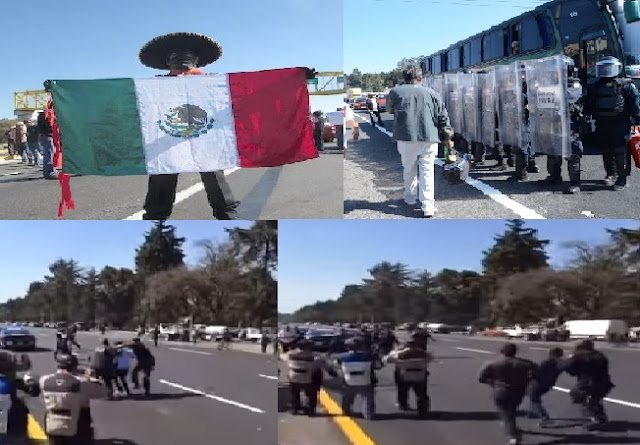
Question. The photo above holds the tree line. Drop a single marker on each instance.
(233, 284)
(516, 285)
(380, 81)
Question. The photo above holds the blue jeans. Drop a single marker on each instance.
(46, 143)
(349, 394)
(34, 151)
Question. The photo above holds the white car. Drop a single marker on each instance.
(253, 334)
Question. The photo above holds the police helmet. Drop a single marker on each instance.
(571, 66)
(608, 67)
(67, 361)
(466, 71)
(47, 84)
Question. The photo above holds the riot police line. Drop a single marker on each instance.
(510, 377)
(540, 106)
(67, 392)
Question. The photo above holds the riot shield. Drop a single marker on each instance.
(453, 100)
(510, 104)
(488, 101)
(548, 106)
(470, 109)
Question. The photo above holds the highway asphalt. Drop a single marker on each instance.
(462, 410)
(373, 187)
(200, 396)
(306, 190)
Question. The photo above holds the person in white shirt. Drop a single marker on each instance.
(351, 121)
(372, 106)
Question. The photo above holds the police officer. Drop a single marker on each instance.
(591, 369)
(521, 157)
(508, 377)
(613, 103)
(411, 373)
(554, 162)
(358, 378)
(62, 343)
(145, 362)
(67, 395)
(305, 375)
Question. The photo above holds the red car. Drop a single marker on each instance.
(360, 103)
(382, 102)
(329, 133)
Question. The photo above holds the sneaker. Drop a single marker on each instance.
(574, 189)
(620, 184)
(609, 180)
(514, 441)
(410, 202)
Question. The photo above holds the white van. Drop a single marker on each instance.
(598, 329)
(253, 334)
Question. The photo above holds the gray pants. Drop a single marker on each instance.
(367, 393)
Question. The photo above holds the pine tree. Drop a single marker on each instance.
(518, 249)
(161, 250)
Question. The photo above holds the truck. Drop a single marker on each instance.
(596, 329)
(354, 92)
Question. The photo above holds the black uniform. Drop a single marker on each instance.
(145, 362)
(613, 103)
(521, 157)
(509, 378)
(591, 368)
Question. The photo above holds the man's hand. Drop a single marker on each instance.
(356, 133)
(311, 73)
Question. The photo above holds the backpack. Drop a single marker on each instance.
(608, 101)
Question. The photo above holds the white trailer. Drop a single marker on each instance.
(598, 329)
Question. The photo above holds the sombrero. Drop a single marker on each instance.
(154, 54)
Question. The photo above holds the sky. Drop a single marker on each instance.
(318, 258)
(30, 247)
(80, 39)
(380, 33)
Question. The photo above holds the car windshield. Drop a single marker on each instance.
(16, 331)
(361, 99)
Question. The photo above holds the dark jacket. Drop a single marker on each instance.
(420, 114)
(591, 368)
(612, 133)
(546, 376)
(510, 374)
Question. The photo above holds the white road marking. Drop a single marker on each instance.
(446, 339)
(539, 349)
(606, 399)
(212, 397)
(191, 350)
(181, 196)
(475, 350)
(270, 377)
(517, 208)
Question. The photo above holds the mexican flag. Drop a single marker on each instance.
(198, 123)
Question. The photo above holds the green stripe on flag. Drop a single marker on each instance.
(99, 127)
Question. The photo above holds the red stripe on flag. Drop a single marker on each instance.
(271, 112)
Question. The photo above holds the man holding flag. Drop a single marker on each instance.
(163, 127)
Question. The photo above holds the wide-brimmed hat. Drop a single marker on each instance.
(154, 54)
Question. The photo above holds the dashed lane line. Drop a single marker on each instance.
(270, 377)
(492, 193)
(348, 426)
(212, 397)
(181, 196)
(481, 351)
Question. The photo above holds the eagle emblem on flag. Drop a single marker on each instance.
(186, 121)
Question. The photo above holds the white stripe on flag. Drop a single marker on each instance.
(161, 98)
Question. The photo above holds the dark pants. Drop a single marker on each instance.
(379, 116)
(155, 341)
(507, 404)
(162, 193)
(340, 136)
(617, 162)
(590, 402)
(121, 380)
(419, 389)
(146, 377)
(536, 406)
(310, 391)
(107, 378)
(554, 166)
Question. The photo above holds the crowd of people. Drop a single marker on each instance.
(434, 119)
(353, 362)
(32, 141)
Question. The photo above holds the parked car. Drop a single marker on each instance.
(17, 338)
(329, 133)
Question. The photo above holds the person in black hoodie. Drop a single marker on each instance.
(544, 379)
(145, 362)
(591, 369)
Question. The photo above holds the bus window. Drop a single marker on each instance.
(437, 66)
(466, 56)
(530, 39)
(443, 62)
(546, 33)
(514, 44)
(486, 47)
(577, 17)
(454, 59)
(476, 52)
(496, 47)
